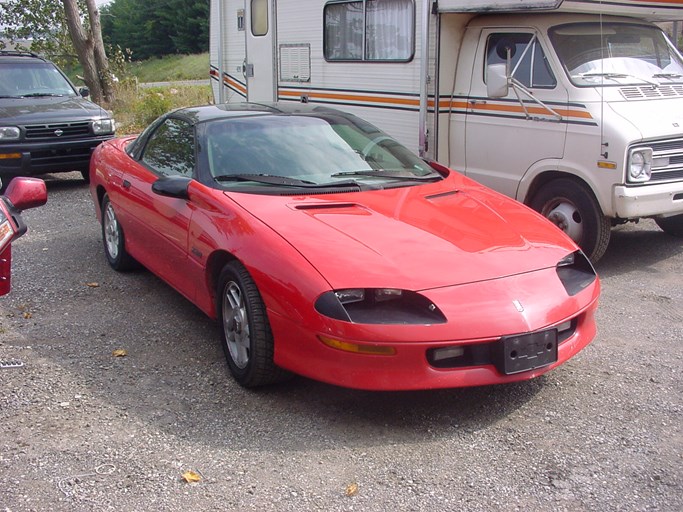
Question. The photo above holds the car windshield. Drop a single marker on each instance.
(32, 79)
(306, 151)
(616, 54)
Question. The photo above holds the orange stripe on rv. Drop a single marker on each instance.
(349, 97)
(499, 107)
(235, 85)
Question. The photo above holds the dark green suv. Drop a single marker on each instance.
(46, 124)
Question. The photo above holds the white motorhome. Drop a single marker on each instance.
(573, 107)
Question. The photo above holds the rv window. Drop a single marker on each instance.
(259, 17)
(369, 30)
(527, 59)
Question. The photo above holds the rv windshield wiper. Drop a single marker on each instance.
(615, 75)
(667, 75)
(271, 179)
(389, 173)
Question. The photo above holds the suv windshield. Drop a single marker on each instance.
(616, 54)
(33, 79)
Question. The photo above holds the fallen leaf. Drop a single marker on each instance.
(27, 315)
(191, 477)
(93, 285)
(119, 352)
(352, 489)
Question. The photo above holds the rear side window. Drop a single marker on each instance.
(369, 30)
(170, 149)
(529, 64)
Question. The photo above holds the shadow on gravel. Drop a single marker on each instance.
(637, 248)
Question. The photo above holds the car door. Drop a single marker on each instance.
(505, 137)
(158, 226)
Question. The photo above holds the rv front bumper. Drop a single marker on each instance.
(648, 200)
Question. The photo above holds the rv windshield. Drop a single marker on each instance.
(616, 54)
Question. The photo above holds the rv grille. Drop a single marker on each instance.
(57, 130)
(646, 92)
(667, 160)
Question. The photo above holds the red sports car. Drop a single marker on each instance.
(326, 249)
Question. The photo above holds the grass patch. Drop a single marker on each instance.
(172, 67)
(136, 107)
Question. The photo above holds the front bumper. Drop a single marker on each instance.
(479, 316)
(648, 200)
(44, 157)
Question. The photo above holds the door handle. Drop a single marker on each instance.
(126, 184)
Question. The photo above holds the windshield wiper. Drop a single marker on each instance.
(286, 181)
(616, 75)
(667, 75)
(41, 95)
(388, 173)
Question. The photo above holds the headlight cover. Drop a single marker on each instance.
(379, 306)
(9, 133)
(640, 165)
(576, 272)
(103, 126)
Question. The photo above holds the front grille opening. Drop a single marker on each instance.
(483, 354)
(57, 130)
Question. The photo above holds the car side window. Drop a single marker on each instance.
(170, 149)
(528, 60)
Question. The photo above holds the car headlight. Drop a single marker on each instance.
(103, 126)
(9, 133)
(575, 272)
(379, 306)
(640, 165)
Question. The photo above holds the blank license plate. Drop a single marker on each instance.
(527, 351)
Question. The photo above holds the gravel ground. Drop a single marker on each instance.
(84, 430)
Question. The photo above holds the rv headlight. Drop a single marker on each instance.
(9, 133)
(103, 126)
(640, 165)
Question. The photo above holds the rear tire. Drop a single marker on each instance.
(113, 239)
(245, 331)
(572, 207)
(671, 225)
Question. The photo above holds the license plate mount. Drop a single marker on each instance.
(525, 352)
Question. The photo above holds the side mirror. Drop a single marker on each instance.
(84, 92)
(172, 186)
(25, 193)
(497, 84)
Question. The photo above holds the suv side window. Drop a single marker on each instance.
(170, 149)
(528, 60)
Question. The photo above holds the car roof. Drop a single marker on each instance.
(204, 113)
(18, 56)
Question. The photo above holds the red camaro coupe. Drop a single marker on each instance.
(325, 248)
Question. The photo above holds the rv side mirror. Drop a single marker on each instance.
(496, 81)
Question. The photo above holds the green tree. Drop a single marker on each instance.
(152, 28)
(60, 28)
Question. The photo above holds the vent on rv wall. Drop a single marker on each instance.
(295, 62)
(644, 92)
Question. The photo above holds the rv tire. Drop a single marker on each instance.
(671, 225)
(572, 207)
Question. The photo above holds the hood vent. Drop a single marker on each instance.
(325, 206)
(646, 92)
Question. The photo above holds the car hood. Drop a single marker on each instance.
(21, 111)
(415, 238)
(653, 119)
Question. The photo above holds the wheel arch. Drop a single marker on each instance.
(214, 266)
(528, 188)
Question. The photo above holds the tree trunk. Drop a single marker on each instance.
(90, 50)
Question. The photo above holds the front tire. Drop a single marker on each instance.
(572, 207)
(245, 331)
(671, 225)
(113, 240)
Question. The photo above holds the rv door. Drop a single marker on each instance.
(259, 65)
